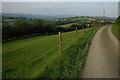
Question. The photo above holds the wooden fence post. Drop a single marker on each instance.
(76, 32)
(60, 42)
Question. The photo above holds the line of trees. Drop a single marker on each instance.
(21, 29)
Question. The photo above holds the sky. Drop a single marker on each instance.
(60, 0)
(62, 8)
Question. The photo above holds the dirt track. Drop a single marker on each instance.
(102, 59)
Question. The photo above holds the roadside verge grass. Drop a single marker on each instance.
(116, 28)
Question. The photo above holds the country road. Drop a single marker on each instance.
(102, 59)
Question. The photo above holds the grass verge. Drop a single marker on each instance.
(116, 28)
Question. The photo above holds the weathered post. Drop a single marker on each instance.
(76, 32)
(60, 42)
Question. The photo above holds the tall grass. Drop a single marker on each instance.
(116, 28)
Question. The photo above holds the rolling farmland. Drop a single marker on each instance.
(67, 25)
(39, 56)
(59, 40)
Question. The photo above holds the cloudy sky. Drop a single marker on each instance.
(62, 8)
(60, 0)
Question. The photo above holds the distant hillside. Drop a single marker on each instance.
(35, 16)
(106, 18)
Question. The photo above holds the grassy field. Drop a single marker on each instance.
(116, 28)
(39, 56)
(67, 25)
(46, 21)
(30, 21)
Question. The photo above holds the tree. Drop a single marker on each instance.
(20, 27)
(39, 27)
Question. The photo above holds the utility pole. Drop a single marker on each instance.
(103, 12)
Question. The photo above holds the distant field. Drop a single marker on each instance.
(53, 21)
(47, 21)
(67, 25)
(30, 21)
(82, 18)
(39, 56)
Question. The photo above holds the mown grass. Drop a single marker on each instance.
(38, 57)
